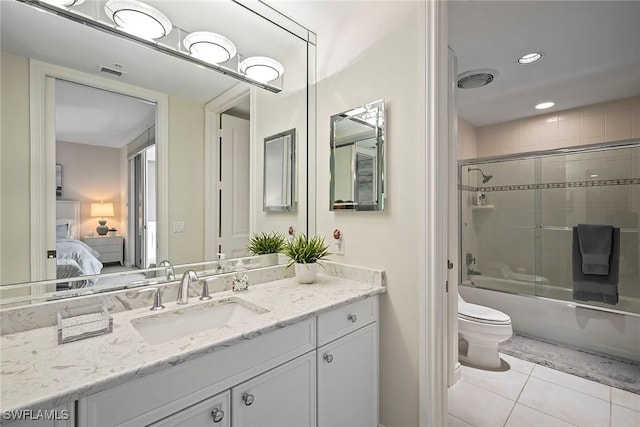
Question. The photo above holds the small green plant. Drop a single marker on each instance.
(305, 251)
(266, 243)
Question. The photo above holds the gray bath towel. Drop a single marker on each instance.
(595, 247)
(595, 287)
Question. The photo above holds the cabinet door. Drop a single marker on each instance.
(348, 380)
(282, 397)
(212, 412)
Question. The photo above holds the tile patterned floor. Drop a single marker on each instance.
(530, 395)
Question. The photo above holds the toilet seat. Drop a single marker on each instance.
(481, 314)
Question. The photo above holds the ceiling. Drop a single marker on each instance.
(87, 115)
(591, 54)
(59, 41)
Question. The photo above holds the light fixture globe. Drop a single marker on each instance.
(209, 47)
(261, 68)
(138, 18)
(64, 3)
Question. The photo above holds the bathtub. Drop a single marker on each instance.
(606, 331)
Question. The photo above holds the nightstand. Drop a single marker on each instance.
(110, 248)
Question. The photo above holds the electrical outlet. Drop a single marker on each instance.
(178, 226)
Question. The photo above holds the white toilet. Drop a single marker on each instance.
(481, 329)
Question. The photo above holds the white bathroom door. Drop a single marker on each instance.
(235, 183)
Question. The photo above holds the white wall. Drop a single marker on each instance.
(274, 113)
(467, 140)
(15, 219)
(186, 184)
(373, 54)
(91, 174)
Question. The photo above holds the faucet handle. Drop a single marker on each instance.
(157, 298)
(205, 291)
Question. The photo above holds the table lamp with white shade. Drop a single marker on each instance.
(102, 210)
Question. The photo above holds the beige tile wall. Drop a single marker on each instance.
(605, 122)
(467, 140)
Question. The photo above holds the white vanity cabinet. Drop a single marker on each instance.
(348, 366)
(320, 371)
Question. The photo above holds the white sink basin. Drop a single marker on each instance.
(163, 327)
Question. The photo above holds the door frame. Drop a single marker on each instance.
(433, 298)
(42, 170)
(212, 112)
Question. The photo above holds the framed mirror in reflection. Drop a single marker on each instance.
(164, 173)
(357, 158)
(280, 171)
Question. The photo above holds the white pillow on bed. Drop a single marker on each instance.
(65, 228)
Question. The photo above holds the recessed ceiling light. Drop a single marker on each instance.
(545, 105)
(530, 58)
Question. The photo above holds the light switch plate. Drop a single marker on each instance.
(178, 226)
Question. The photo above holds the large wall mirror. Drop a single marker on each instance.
(357, 158)
(165, 142)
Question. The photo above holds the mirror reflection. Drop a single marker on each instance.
(156, 157)
(279, 171)
(357, 158)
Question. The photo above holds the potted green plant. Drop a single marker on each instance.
(305, 254)
(267, 244)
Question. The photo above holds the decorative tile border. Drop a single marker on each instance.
(552, 185)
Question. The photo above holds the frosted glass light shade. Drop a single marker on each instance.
(209, 47)
(102, 209)
(138, 18)
(261, 68)
(64, 3)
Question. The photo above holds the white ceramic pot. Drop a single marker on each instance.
(306, 273)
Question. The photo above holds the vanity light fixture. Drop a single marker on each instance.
(530, 58)
(261, 68)
(209, 47)
(545, 105)
(64, 3)
(138, 18)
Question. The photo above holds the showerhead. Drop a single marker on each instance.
(485, 178)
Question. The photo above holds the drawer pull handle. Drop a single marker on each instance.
(353, 318)
(247, 399)
(328, 357)
(217, 415)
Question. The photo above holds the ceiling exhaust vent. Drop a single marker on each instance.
(114, 71)
(476, 78)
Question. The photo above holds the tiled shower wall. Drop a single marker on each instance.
(529, 229)
(605, 122)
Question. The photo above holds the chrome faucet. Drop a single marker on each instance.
(171, 275)
(188, 277)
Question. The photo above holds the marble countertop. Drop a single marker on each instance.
(36, 372)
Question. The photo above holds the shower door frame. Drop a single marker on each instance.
(629, 143)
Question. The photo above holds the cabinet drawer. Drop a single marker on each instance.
(342, 320)
(215, 411)
(110, 257)
(100, 242)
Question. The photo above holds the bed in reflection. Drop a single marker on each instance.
(74, 258)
